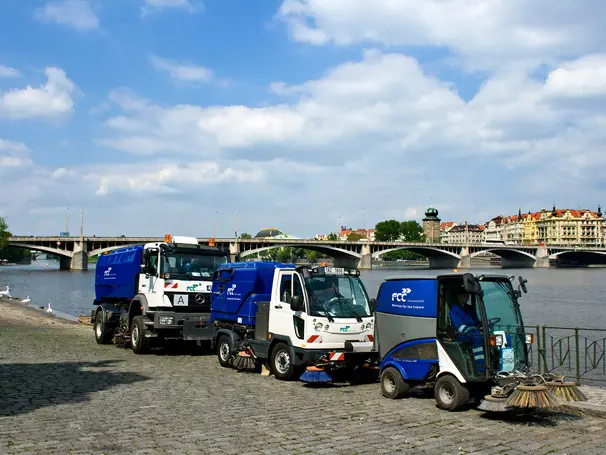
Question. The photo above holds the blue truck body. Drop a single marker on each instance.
(238, 287)
(117, 274)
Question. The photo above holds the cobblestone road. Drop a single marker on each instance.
(61, 393)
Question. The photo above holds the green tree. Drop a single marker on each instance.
(412, 231)
(354, 237)
(312, 256)
(245, 236)
(284, 255)
(4, 234)
(332, 237)
(388, 231)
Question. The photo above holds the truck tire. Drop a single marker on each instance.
(103, 334)
(138, 342)
(224, 349)
(450, 394)
(281, 362)
(393, 385)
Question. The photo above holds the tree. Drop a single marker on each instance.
(245, 236)
(354, 237)
(4, 234)
(332, 237)
(312, 256)
(388, 231)
(412, 231)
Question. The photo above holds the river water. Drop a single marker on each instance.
(557, 297)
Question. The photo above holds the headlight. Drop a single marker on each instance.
(529, 338)
(318, 326)
(166, 320)
(369, 326)
(326, 327)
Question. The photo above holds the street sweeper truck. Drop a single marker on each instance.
(463, 336)
(289, 317)
(156, 291)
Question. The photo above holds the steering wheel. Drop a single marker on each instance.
(493, 321)
(330, 303)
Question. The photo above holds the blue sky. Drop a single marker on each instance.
(156, 114)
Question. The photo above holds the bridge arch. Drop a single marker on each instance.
(328, 250)
(45, 249)
(438, 258)
(100, 251)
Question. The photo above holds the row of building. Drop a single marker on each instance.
(552, 227)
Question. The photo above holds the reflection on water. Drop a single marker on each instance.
(560, 297)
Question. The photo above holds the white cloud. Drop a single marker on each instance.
(13, 155)
(184, 72)
(78, 14)
(7, 71)
(52, 100)
(190, 6)
(487, 32)
(583, 77)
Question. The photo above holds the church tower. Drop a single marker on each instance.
(431, 225)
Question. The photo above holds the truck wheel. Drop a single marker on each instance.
(281, 362)
(138, 342)
(103, 334)
(224, 351)
(450, 394)
(392, 384)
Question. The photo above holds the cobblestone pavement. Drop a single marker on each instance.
(61, 393)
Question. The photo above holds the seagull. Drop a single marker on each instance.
(26, 300)
(5, 293)
(49, 310)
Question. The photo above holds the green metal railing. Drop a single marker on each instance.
(575, 352)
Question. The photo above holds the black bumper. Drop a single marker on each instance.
(194, 326)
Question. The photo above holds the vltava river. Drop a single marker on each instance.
(559, 297)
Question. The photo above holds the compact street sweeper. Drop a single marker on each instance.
(463, 336)
(286, 317)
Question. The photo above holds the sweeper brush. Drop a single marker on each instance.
(244, 361)
(315, 375)
(532, 396)
(493, 404)
(566, 391)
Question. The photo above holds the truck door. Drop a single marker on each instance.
(282, 320)
(150, 283)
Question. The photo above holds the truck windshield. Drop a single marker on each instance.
(339, 296)
(504, 318)
(191, 265)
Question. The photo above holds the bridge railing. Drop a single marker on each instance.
(576, 352)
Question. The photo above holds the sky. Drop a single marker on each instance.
(198, 117)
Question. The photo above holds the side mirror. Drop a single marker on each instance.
(373, 305)
(471, 284)
(523, 284)
(297, 303)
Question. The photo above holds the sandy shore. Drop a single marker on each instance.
(13, 312)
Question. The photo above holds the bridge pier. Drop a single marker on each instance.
(542, 256)
(234, 251)
(443, 262)
(465, 261)
(346, 262)
(78, 260)
(365, 262)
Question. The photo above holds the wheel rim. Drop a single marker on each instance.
(224, 351)
(389, 384)
(282, 362)
(98, 329)
(447, 393)
(135, 336)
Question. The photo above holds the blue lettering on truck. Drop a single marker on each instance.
(408, 297)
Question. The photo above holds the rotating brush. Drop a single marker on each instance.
(244, 360)
(315, 375)
(493, 404)
(566, 391)
(532, 396)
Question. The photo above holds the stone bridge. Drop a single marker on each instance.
(75, 251)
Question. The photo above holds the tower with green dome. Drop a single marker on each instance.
(431, 225)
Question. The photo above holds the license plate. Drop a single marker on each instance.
(181, 300)
(335, 270)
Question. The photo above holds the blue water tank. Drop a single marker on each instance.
(117, 274)
(417, 297)
(237, 288)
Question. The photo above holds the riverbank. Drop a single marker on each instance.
(15, 313)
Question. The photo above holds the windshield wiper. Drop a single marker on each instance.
(346, 304)
(321, 305)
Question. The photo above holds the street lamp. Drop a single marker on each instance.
(338, 228)
(215, 225)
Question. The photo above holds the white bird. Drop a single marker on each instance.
(5, 293)
(49, 310)
(26, 300)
